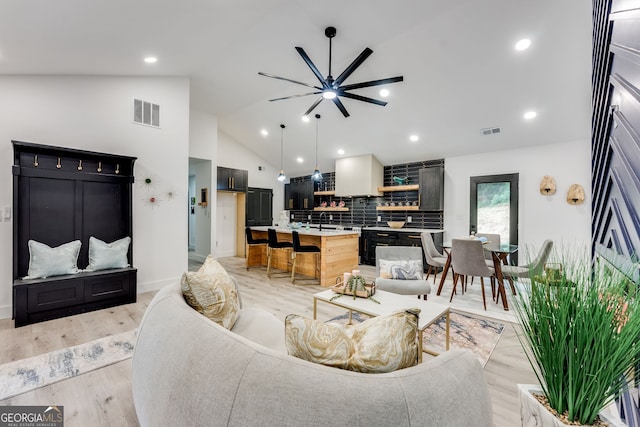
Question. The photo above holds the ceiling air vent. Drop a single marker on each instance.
(490, 131)
(146, 113)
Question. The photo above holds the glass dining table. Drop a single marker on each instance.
(499, 254)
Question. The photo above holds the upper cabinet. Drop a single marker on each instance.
(432, 188)
(232, 179)
(298, 195)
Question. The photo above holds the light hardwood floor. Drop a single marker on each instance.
(103, 397)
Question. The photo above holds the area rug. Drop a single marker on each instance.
(25, 375)
(466, 332)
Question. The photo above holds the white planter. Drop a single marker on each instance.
(534, 414)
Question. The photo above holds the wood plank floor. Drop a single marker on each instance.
(103, 397)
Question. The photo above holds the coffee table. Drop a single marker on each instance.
(430, 312)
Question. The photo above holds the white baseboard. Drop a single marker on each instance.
(156, 286)
(5, 312)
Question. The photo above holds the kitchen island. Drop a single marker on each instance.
(338, 252)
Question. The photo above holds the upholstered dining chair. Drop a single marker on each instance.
(493, 238)
(514, 272)
(399, 269)
(434, 258)
(467, 259)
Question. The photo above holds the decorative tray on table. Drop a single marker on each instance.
(354, 288)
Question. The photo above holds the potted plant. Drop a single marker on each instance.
(580, 334)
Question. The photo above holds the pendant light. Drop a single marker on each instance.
(281, 175)
(317, 176)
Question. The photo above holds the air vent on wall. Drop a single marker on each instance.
(146, 113)
(490, 131)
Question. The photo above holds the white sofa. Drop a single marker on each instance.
(188, 370)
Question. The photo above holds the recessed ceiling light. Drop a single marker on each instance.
(150, 59)
(305, 118)
(341, 151)
(413, 138)
(264, 132)
(384, 93)
(523, 44)
(300, 160)
(530, 115)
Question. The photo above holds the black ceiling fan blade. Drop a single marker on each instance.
(363, 98)
(314, 105)
(295, 96)
(312, 66)
(352, 67)
(289, 80)
(373, 83)
(340, 106)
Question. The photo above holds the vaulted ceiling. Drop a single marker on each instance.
(461, 71)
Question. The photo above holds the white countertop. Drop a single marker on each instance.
(405, 230)
(310, 232)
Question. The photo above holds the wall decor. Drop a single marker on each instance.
(575, 195)
(548, 185)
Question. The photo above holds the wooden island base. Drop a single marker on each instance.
(338, 253)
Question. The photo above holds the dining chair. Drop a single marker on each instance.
(299, 249)
(254, 243)
(535, 267)
(434, 258)
(493, 238)
(275, 245)
(467, 259)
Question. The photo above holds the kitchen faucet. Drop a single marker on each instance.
(321, 215)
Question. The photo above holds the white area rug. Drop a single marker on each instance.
(25, 375)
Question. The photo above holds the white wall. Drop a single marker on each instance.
(540, 217)
(95, 113)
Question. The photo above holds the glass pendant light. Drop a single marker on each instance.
(317, 176)
(281, 175)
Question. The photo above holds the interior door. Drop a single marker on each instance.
(494, 206)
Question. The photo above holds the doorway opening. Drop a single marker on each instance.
(199, 213)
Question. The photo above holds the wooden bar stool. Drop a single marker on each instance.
(254, 243)
(275, 245)
(303, 249)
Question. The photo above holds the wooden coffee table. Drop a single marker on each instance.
(430, 312)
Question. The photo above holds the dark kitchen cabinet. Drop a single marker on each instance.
(298, 195)
(232, 179)
(432, 188)
(259, 209)
(370, 239)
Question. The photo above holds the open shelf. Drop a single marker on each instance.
(393, 188)
(397, 208)
(324, 193)
(327, 209)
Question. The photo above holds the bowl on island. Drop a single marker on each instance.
(395, 224)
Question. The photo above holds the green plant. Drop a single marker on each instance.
(580, 334)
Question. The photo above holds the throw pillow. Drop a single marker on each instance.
(401, 269)
(380, 344)
(45, 261)
(213, 294)
(103, 256)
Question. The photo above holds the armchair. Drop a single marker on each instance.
(413, 270)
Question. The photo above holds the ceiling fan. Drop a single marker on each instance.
(331, 88)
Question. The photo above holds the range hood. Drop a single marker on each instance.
(359, 176)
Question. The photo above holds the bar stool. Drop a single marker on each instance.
(275, 245)
(254, 243)
(303, 249)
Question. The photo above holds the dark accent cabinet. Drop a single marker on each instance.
(230, 179)
(61, 195)
(370, 239)
(259, 210)
(432, 188)
(298, 195)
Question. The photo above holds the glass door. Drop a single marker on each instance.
(494, 206)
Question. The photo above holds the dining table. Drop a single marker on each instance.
(499, 254)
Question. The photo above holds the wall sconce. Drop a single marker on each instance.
(575, 195)
(547, 185)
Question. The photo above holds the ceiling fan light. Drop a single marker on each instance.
(281, 176)
(329, 94)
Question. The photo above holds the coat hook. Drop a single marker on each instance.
(35, 161)
(117, 168)
(99, 166)
(58, 165)
(80, 165)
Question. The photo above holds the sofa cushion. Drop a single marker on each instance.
(380, 344)
(261, 327)
(213, 294)
(401, 269)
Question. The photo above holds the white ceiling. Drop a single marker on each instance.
(461, 71)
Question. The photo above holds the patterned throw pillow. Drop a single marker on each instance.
(45, 261)
(212, 293)
(399, 269)
(380, 344)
